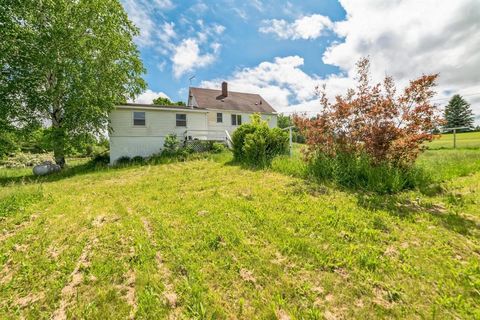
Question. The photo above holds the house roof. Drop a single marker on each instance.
(235, 101)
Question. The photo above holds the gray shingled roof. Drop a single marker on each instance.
(236, 101)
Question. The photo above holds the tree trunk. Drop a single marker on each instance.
(59, 146)
(58, 139)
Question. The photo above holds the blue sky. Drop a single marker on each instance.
(283, 49)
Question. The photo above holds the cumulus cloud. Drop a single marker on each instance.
(278, 82)
(187, 56)
(408, 38)
(308, 27)
(148, 96)
(404, 39)
(192, 48)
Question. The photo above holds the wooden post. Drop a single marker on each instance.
(454, 138)
(291, 142)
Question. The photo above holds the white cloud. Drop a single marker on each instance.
(141, 13)
(408, 38)
(140, 16)
(404, 39)
(278, 82)
(308, 27)
(187, 56)
(161, 66)
(189, 49)
(241, 13)
(199, 8)
(164, 4)
(148, 96)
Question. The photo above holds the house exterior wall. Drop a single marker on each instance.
(227, 120)
(129, 140)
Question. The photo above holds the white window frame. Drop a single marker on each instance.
(176, 120)
(144, 119)
(221, 117)
(236, 117)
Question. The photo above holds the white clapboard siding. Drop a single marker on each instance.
(227, 120)
(129, 140)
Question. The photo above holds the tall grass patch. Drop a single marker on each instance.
(359, 172)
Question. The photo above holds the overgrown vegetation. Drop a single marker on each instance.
(371, 137)
(255, 144)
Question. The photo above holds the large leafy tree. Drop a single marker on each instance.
(458, 113)
(65, 64)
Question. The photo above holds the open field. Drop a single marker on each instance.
(208, 239)
(464, 140)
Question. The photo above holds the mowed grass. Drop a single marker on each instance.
(207, 239)
(470, 140)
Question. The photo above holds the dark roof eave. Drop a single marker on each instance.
(160, 106)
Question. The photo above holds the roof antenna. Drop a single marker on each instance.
(191, 78)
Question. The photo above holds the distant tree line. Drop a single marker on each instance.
(162, 101)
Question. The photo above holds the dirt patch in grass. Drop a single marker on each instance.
(282, 315)
(29, 299)
(54, 252)
(127, 289)
(169, 295)
(68, 292)
(10, 233)
(101, 220)
(247, 276)
(6, 275)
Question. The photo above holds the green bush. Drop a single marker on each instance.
(256, 144)
(101, 157)
(217, 147)
(171, 144)
(123, 160)
(138, 159)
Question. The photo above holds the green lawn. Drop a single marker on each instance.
(209, 239)
(464, 140)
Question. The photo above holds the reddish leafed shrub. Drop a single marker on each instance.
(374, 121)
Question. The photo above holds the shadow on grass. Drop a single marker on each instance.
(69, 171)
(92, 166)
(396, 204)
(404, 208)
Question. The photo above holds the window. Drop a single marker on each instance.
(236, 119)
(139, 118)
(181, 120)
(219, 117)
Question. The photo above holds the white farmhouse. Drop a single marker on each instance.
(140, 129)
